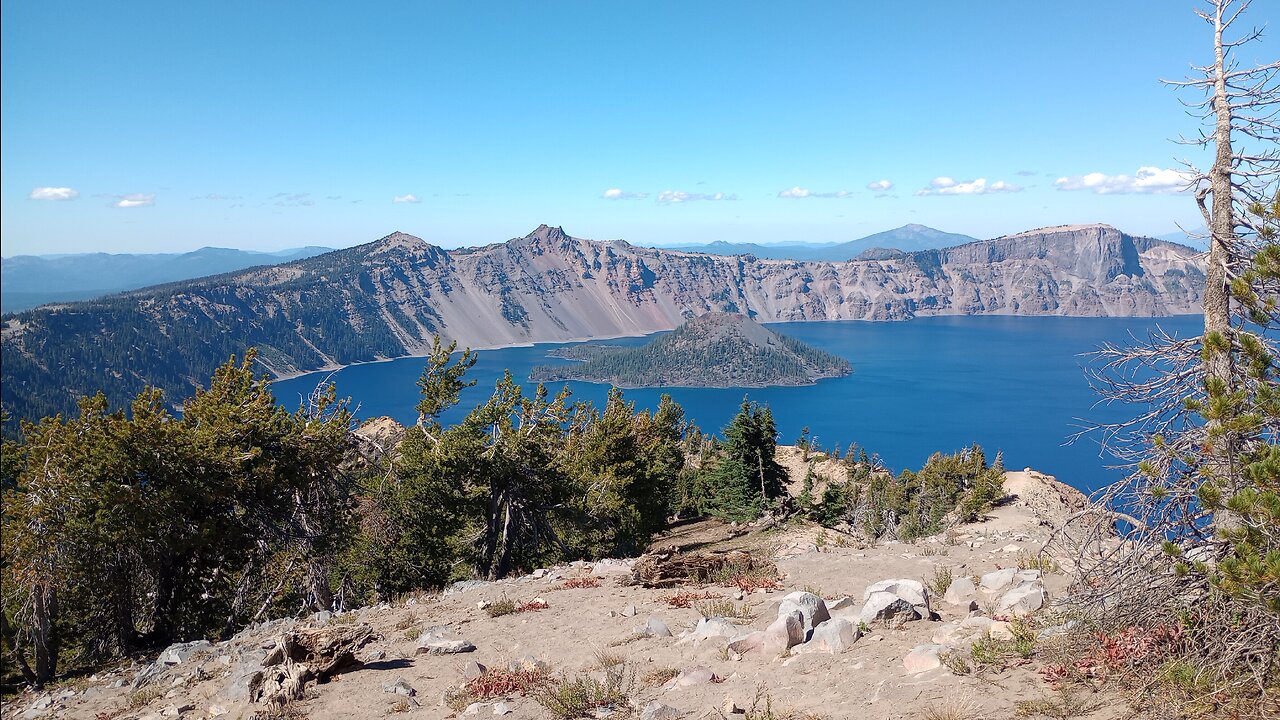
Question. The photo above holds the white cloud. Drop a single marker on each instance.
(799, 192)
(679, 196)
(1147, 181)
(407, 198)
(133, 200)
(943, 185)
(880, 185)
(53, 193)
(620, 194)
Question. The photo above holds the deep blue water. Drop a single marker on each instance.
(1008, 383)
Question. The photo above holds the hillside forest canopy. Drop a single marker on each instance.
(128, 530)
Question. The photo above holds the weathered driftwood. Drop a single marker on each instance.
(667, 569)
(301, 656)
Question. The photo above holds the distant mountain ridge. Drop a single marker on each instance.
(906, 238)
(27, 281)
(387, 298)
(712, 350)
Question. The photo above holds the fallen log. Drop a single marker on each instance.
(301, 656)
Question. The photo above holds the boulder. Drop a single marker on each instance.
(399, 687)
(961, 591)
(1023, 577)
(832, 636)
(444, 646)
(913, 591)
(812, 609)
(923, 658)
(886, 606)
(473, 670)
(783, 634)
(998, 580)
(1022, 600)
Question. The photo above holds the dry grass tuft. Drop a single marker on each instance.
(686, 599)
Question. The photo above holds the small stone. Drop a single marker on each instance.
(1022, 600)
(709, 628)
(526, 662)
(629, 611)
(473, 709)
(731, 707)
(696, 675)
(923, 658)
(473, 670)
(501, 709)
(444, 647)
(913, 591)
(539, 573)
(656, 628)
(1011, 548)
(399, 687)
(322, 617)
(216, 711)
(179, 653)
(657, 711)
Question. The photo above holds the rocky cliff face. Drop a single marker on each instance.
(389, 297)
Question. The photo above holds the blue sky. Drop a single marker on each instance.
(161, 126)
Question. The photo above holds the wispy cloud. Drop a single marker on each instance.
(53, 193)
(880, 185)
(1026, 173)
(217, 196)
(667, 197)
(133, 200)
(284, 199)
(943, 185)
(620, 194)
(1147, 181)
(406, 198)
(797, 193)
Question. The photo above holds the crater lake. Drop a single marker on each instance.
(1010, 384)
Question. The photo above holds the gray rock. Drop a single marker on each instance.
(399, 687)
(179, 653)
(832, 636)
(443, 646)
(149, 674)
(886, 606)
(526, 662)
(1022, 600)
(696, 675)
(783, 634)
(923, 658)
(657, 711)
(743, 644)
(913, 591)
(473, 670)
(501, 708)
(709, 628)
(812, 609)
(656, 628)
(998, 580)
(845, 603)
(961, 591)
(629, 611)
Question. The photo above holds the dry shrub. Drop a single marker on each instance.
(533, 605)
(686, 599)
(660, 676)
(954, 707)
(497, 683)
(583, 695)
(580, 583)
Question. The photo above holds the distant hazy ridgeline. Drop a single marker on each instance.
(388, 298)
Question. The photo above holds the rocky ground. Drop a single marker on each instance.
(841, 631)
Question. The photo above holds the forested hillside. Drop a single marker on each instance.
(712, 350)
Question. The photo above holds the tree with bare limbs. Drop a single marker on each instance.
(1185, 551)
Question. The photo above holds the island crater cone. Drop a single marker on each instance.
(715, 349)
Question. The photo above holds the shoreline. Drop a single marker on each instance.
(332, 368)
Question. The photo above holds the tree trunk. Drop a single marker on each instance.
(1219, 364)
(318, 580)
(44, 610)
